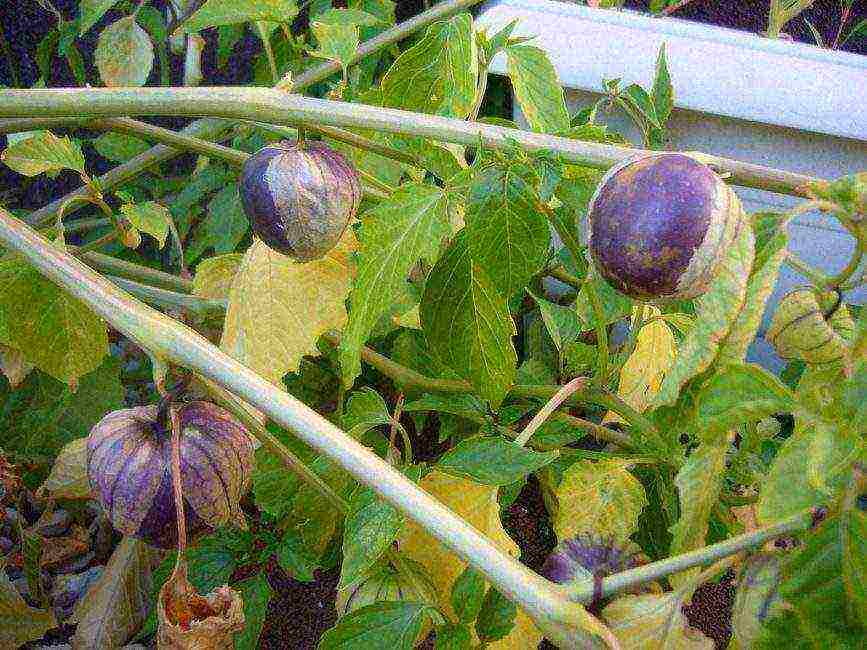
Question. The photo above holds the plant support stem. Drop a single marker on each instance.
(278, 107)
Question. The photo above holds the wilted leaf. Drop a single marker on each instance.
(537, 88)
(467, 323)
(150, 218)
(507, 234)
(477, 504)
(117, 604)
(370, 528)
(227, 12)
(124, 54)
(20, 623)
(13, 365)
(214, 276)
(642, 374)
(652, 622)
(437, 74)
(68, 477)
(394, 236)
(43, 152)
(278, 308)
(771, 241)
(393, 625)
(698, 482)
(54, 331)
(757, 599)
(716, 311)
(188, 620)
(599, 497)
(492, 460)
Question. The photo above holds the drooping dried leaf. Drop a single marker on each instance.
(68, 477)
(13, 365)
(60, 550)
(600, 497)
(188, 621)
(642, 374)
(716, 312)
(19, 622)
(653, 622)
(117, 604)
(477, 504)
(278, 308)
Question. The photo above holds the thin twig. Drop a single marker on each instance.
(552, 405)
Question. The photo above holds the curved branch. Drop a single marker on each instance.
(278, 107)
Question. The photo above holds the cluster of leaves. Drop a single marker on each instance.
(445, 279)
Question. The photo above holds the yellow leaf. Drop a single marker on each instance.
(653, 622)
(477, 504)
(644, 370)
(278, 308)
(68, 477)
(20, 623)
(14, 365)
(600, 497)
(214, 276)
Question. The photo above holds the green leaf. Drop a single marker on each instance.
(119, 147)
(771, 242)
(227, 12)
(381, 626)
(68, 478)
(492, 460)
(853, 542)
(699, 482)
(663, 91)
(716, 312)
(365, 408)
(371, 526)
(600, 497)
(468, 594)
(508, 236)
(43, 152)
(438, 74)
(614, 304)
(465, 405)
(537, 88)
(757, 599)
(54, 331)
(561, 322)
(151, 218)
(808, 468)
(817, 584)
(453, 637)
(90, 11)
(256, 593)
(738, 394)
(642, 103)
(278, 308)
(467, 323)
(346, 17)
(653, 621)
(20, 623)
(336, 42)
(496, 618)
(124, 54)
(394, 236)
(295, 558)
(224, 227)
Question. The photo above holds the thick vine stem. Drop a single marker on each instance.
(182, 346)
(208, 129)
(278, 107)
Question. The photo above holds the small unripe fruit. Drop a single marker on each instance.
(385, 582)
(660, 225)
(129, 468)
(299, 200)
(811, 326)
(585, 555)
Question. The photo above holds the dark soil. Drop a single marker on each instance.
(299, 613)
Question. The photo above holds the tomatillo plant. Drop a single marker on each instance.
(376, 365)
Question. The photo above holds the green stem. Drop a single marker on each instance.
(176, 343)
(853, 265)
(813, 275)
(171, 299)
(266, 44)
(278, 107)
(560, 273)
(577, 384)
(597, 430)
(374, 182)
(600, 378)
(97, 243)
(115, 266)
(583, 591)
(209, 129)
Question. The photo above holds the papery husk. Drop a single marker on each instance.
(188, 621)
